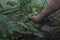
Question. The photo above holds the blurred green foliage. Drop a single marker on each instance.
(18, 20)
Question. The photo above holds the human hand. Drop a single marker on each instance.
(33, 18)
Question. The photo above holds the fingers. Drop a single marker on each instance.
(30, 15)
(33, 18)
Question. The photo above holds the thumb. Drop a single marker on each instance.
(30, 15)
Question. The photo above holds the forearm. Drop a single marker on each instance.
(52, 7)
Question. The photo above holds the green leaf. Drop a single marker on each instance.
(11, 3)
(3, 25)
(1, 6)
(13, 26)
(58, 27)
